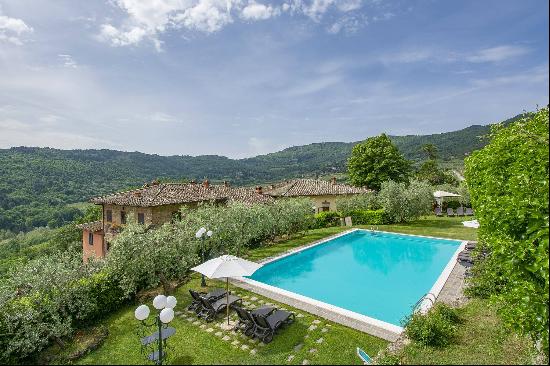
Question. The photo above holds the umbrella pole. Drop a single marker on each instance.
(227, 298)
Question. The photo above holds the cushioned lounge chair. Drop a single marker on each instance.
(469, 211)
(246, 320)
(266, 326)
(210, 310)
(450, 212)
(438, 212)
(211, 296)
(460, 211)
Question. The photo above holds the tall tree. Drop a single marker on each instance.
(430, 150)
(377, 160)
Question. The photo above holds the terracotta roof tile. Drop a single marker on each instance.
(91, 226)
(179, 193)
(312, 187)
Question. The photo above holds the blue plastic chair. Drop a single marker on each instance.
(363, 356)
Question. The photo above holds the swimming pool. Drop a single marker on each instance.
(379, 275)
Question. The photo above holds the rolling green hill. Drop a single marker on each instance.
(36, 184)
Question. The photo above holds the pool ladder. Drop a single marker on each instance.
(427, 297)
(373, 229)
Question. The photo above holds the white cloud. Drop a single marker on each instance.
(349, 5)
(12, 29)
(147, 20)
(256, 11)
(496, 54)
(68, 61)
(348, 24)
(206, 16)
(162, 117)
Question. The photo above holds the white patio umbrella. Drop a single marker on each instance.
(227, 266)
(439, 195)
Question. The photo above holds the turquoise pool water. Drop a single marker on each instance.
(380, 275)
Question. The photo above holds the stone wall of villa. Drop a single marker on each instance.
(325, 201)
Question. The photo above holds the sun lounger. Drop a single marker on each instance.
(460, 211)
(450, 212)
(210, 310)
(211, 296)
(246, 320)
(266, 326)
(438, 212)
(469, 211)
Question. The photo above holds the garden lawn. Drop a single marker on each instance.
(193, 343)
(481, 339)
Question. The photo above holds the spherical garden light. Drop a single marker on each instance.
(171, 302)
(157, 341)
(159, 302)
(142, 312)
(166, 315)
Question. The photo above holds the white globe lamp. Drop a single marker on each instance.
(142, 312)
(159, 302)
(166, 315)
(171, 302)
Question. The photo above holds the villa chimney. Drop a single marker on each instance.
(206, 183)
(333, 180)
(259, 189)
(225, 183)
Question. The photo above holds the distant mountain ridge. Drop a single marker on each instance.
(36, 183)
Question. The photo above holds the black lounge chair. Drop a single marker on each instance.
(246, 320)
(210, 310)
(438, 212)
(450, 212)
(211, 296)
(460, 211)
(266, 326)
(469, 211)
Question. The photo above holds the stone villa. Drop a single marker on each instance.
(158, 203)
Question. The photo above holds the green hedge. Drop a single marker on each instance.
(326, 219)
(369, 217)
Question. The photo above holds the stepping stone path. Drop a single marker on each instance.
(244, 347)
(305, 362)
(290, 358)
(218, 334)
(324, 330)
(298, 347)
(210, 330)
(235, 343)
(226, 338)
(253, 351)
(299, 315)
(312, 327)
(313, 350)
(178, 313)
(202, 326)
(190, 319)
(253, 298)
(316, 321)
(196, 322)
(320, 340)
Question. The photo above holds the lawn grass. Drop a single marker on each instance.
(193, 345)
(481, 339)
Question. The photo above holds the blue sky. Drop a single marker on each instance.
(241, 78)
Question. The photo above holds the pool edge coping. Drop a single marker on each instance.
(364, 323)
